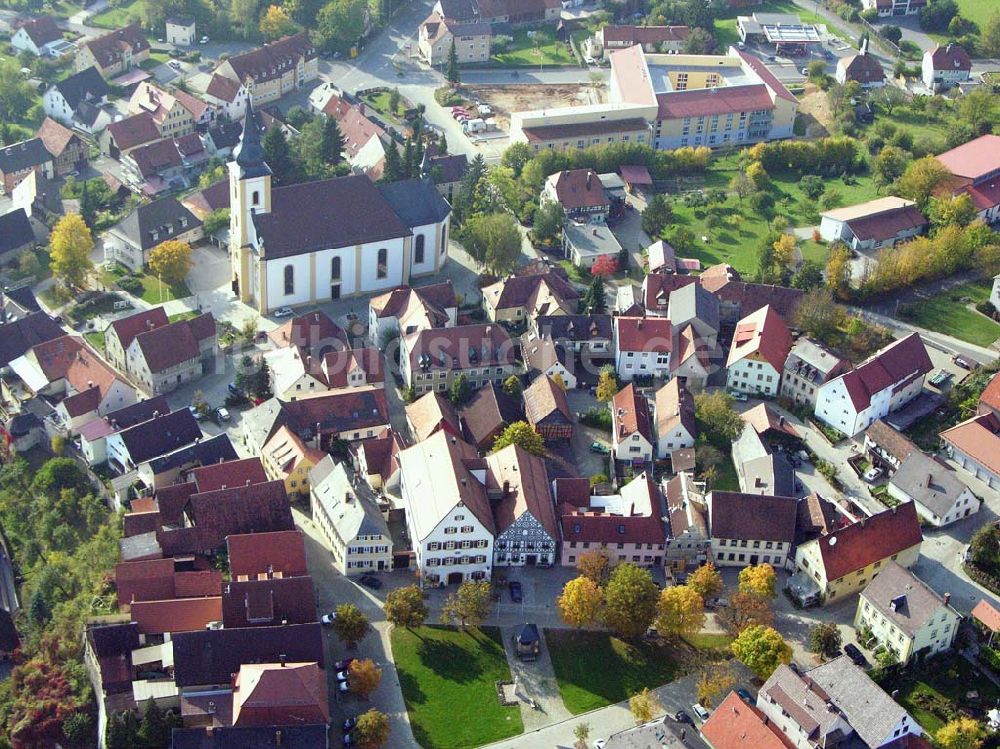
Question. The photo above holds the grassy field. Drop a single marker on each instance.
(978, 11)
(949, 684)
(726, 479)
(947, 313)
(542, 48)
(594, 669)
(710, 641)
(736, 241)
(447, 677)
(153, 291)
(380, 103)
(725, 27)
(114, 18)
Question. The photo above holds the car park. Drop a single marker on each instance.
(370, 581)
(515, 591)
(701, 711)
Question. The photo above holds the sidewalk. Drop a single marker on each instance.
(536, 681)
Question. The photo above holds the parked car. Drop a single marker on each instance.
(745, 695)
(515, 591)
(283, 312)
(343, 687)
(237, 391)
(682, 717)
(341, 665)
(343, 675)
(348, 739)
(854, 653)
(873, 474)
(961, 361)
(600, 448)
(348, 724)
(204, 40)
(327, 619)
(737, 395)
(175, 64)
(370, 581)
(222, 414)
(198, 415)
(939, 379)
(701, 711)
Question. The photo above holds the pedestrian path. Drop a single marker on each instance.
(534, 680)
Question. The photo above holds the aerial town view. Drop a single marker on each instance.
(521, 374)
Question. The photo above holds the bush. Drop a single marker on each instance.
(599, 418)
(986, 307)
(131, 285)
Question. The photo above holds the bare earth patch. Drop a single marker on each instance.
(814, 107)
(516, 97)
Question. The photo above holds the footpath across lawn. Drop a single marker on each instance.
(594, 669)
(448, 680)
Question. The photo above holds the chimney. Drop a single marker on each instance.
(589, 173)
(638, 324)
(947, 598)
(277, 737)
(282, 659)
(506, 488)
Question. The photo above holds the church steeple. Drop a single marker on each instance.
(249, 153)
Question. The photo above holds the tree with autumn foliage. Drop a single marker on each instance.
(605, 266)
(758, 579)
(761, 649)
(607, 384)
(365, 677)
(70, 244)
(644, 706)
(594, 564)
(276, 22)
(706, 581)
(679, 612)
(630, 599)
(372, 730)
(743, 610)
(520, 433)
(580, 602)
(171, 261)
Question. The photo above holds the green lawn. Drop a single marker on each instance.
(725, 26)
(978, 11)
(947, 313)
(950, 682)
(95, 339)
(380, 103)
(114, 18)
(712, 642)
(153, 291)
(447, 677)
(540, 49)
(726, 479)
(594, 669)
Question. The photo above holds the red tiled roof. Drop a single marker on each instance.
(675, 406)
(430, 413)
(230, 473)
(736, 725)
(887, 225)
(269, 694)
(950, 57)
(222, 88)
(611, 529)
(987, 615)
(580, 188)
(869, 540)
(526, 482)
(762, 333)
(991, 394)
(647, 334)
(572, 491)
(313, 332)
(630, 411)
(147, 580)
(461, 347)
(242, 509)
(197, 583)
(518, 291)
(109, 49)
(985, 195)
(544, 399)
(267, 602)
(176, 615)
(708, 101)
(974, 160)
(55, 136)
(134, 131)
(272, 60)
(644, 34)
(862, 68)
(894, 366)
(127, 328)
(252, 554)
(337, 365)
(979, 438)
(658, 287)
(41, 30)
(168, 346)
(70, 358)
(752, 516)
(358, 130)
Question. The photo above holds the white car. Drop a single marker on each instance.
(204, 40)
(327, 619)
(873, 474)
(283, 312)
(342, 675)
(701, 711)
(343, 687)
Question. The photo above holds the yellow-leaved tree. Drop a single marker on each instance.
(580, 602)
(276, 22)
(171, 260)
(70, 244)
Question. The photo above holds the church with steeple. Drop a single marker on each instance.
(295, 245)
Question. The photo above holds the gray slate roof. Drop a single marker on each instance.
(915, 602)
(24, 155)
(350, 506)
(163, 215)
(929, 482)
(416, 201)
(694, 302)
(83, 85)
(15, 231)
(872, 713)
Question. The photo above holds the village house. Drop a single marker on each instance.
(758, 352)
(445, 170)
(430, 413)
(905, 616)
(547, 410)
(843, 561)
(163, 358)
(79, 100)
(688, 540)
(975, 446)
(229, 96)
(434, 359)
(348, 515)
(182, 31)
(163, 165)
(735, 723)
(130, 241)
(580, 193)
(175, 113)
(627, 526)
(94, 434)
(546, 357)
(41, 37)
(513, 12)
(448, 513)
(164, 433)
(675, 422)
(887, 8)
(486, 415)
(750, 529)
(517, 299)
(294, 374)
(886, 447)
(975, 170)
(376, 460)
(68, 150)
(18, 160)
(585, 244)
(940, 496)
(652, 38)
(632, 437)
(883, 383)
(944, 67)
(120, 333)
(527, 532)
(289, 458)
(863, 68)
(436, 35)
(407, 310)
(123, 135)
(642, 347)
(271, 71)
(16, 235)
(115, 53)
(879, 223)
(807, 368)
(582, 334)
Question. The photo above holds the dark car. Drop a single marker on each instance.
(235, 390)
(515, 591)
(745, 695)
(961, 361)
(855, 654)
(344, 664)
(682, 717)
(370, 581)
(349, 724)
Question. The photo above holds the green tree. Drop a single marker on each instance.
(333, 142)
(630, 600)
(365, 677)
(594, 300)
(520, 433)
(719, 420)
(657, 215)
(452, 74)
(70, 245)
(216, 220)
(405, 607)
(741, 186)
(580, 602)
(989, 39)
(469, 605)
(516, 156)
(276, 22)
(761, 649)
(812, 186)
(460, 390)
(372, 730)
(16, 94)
(154, 730)
(890, 164)
(706, 581)
(278, 155)
(393, 169)
(921, 178)
(512, 386)
(817, 314)
(350, 624)
(679, 612)
(824, 639)
(699, 42)
(956, 210)
(743, 610)
(494, 241)
(341, 23)
(808, 276)
(549, 219)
